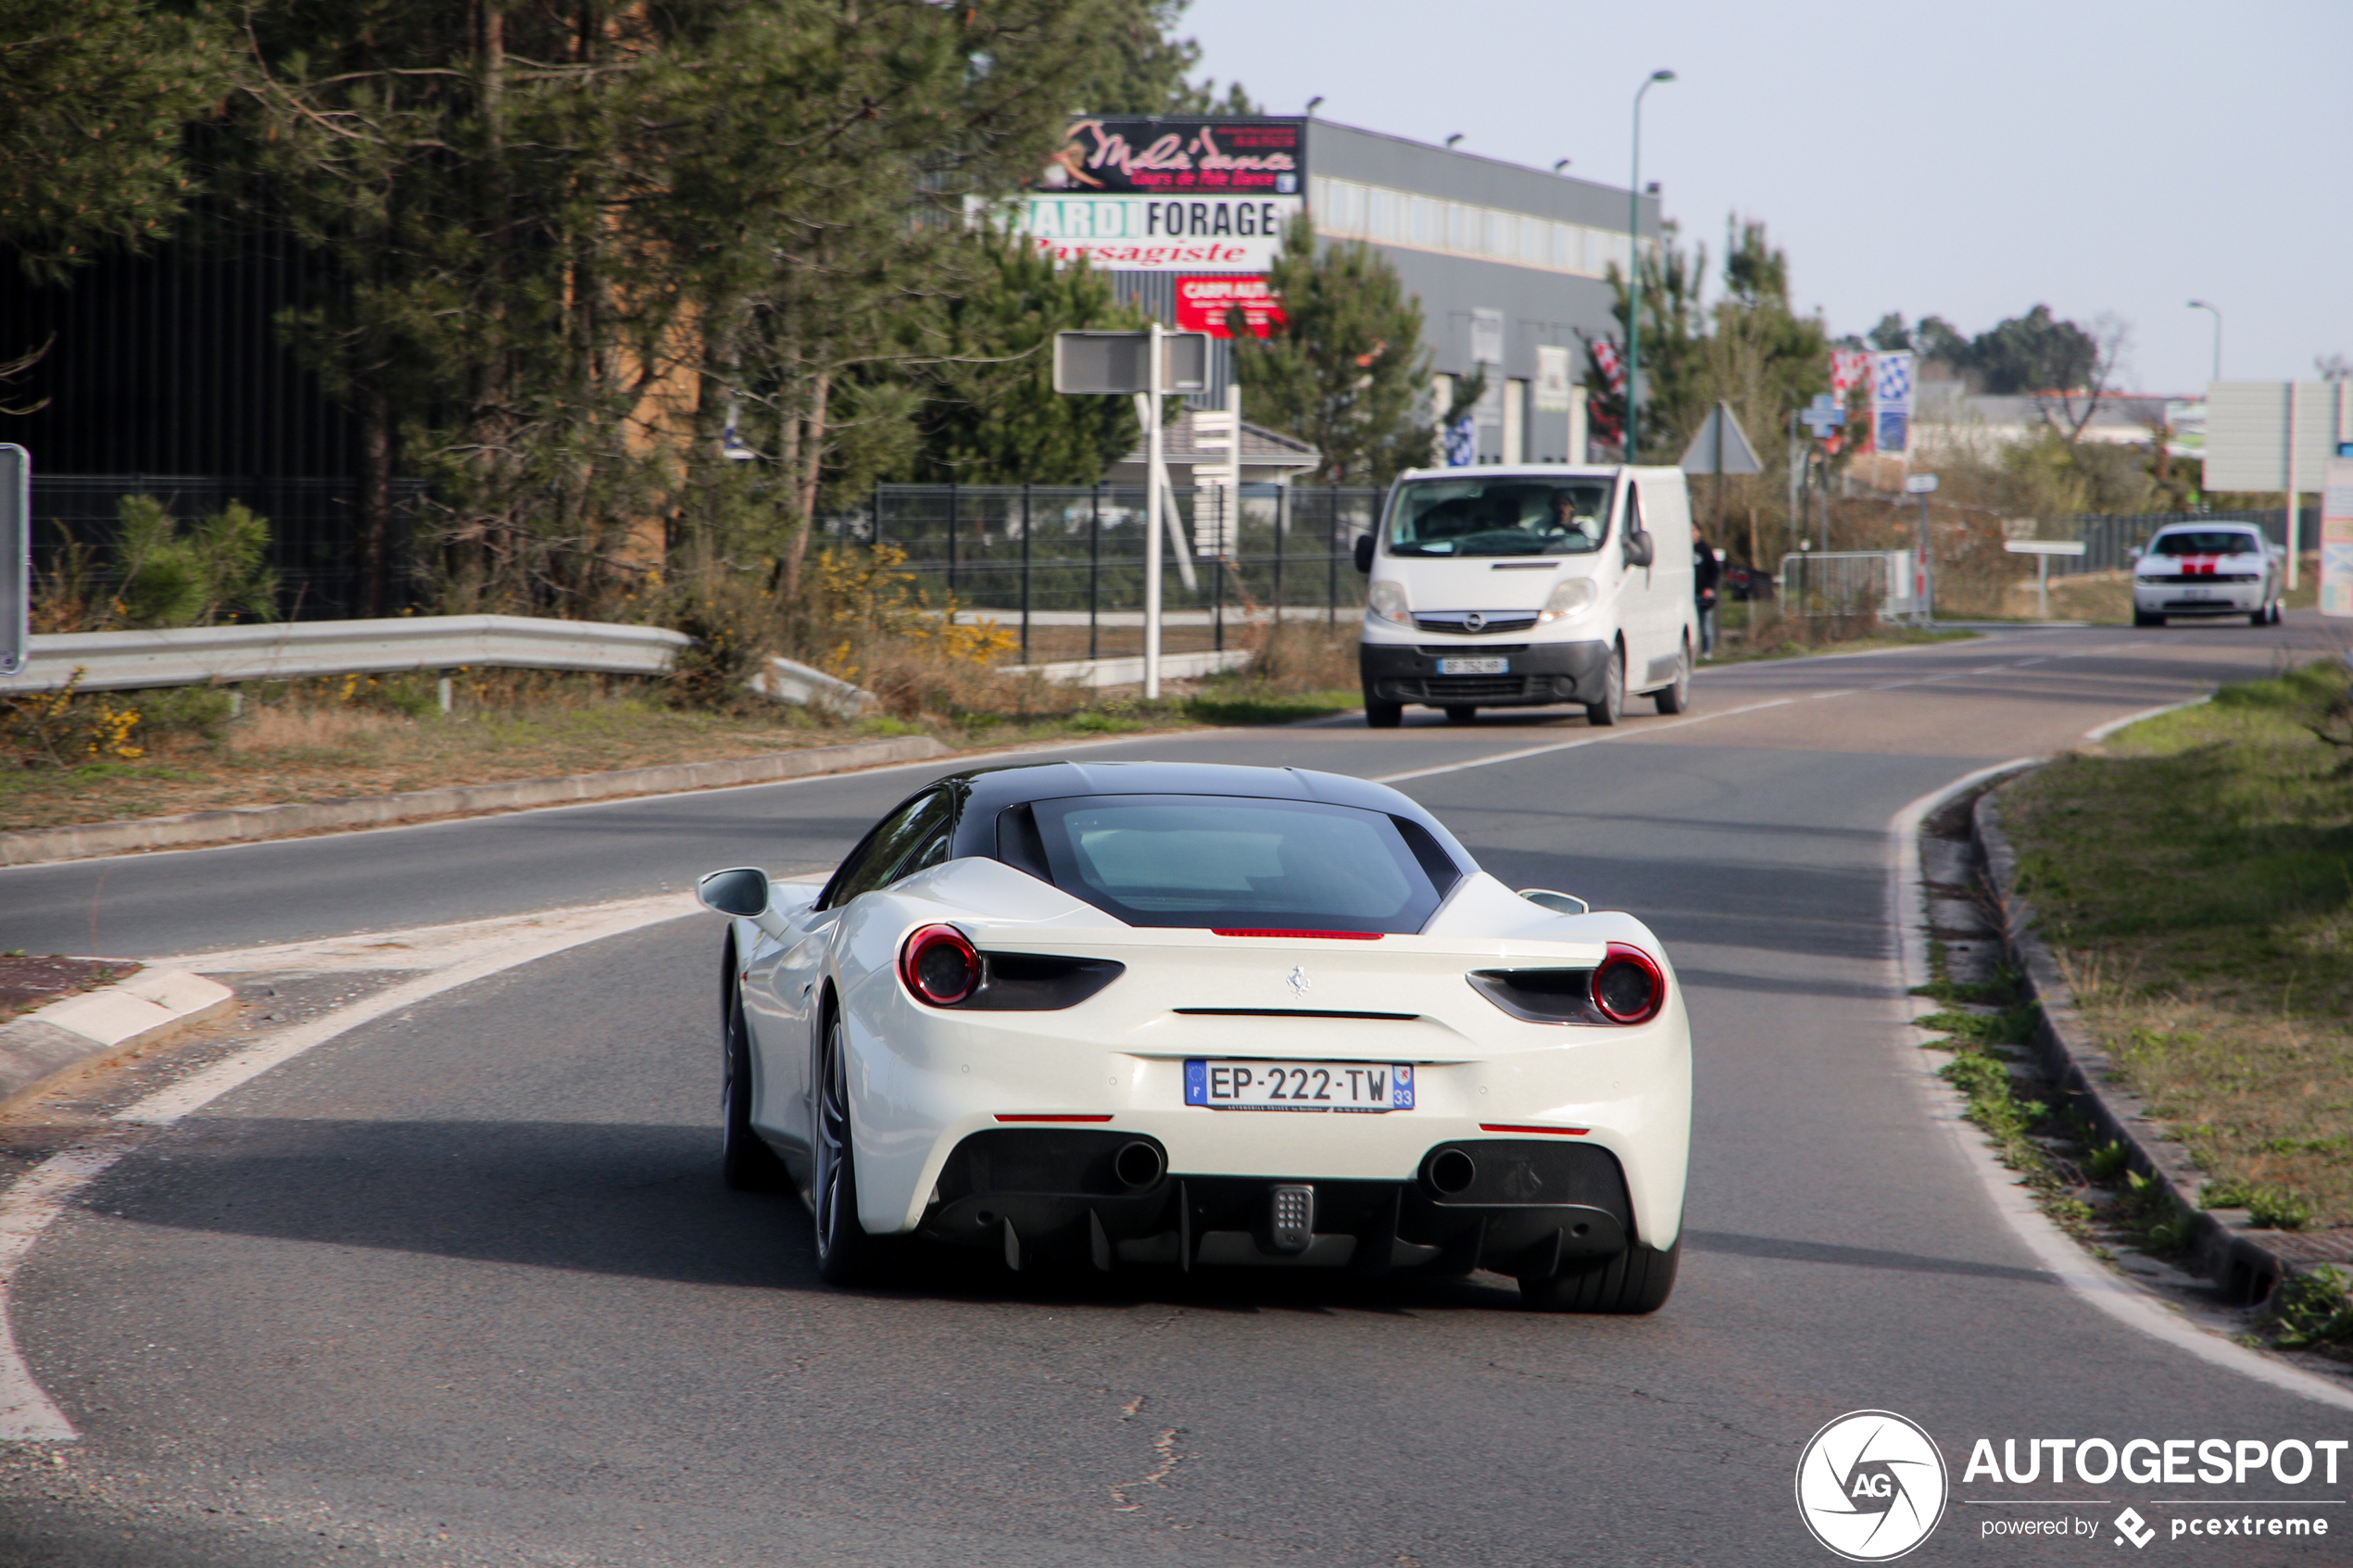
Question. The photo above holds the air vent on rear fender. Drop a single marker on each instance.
(1539, 995)
(1039, 982)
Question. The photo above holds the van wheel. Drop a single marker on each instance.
(1461, 712)
(2143, 617)
(1676, 698)
(1383, 715)
(1611, 708)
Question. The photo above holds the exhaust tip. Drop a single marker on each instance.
(1452, 1172)
(1139, 1164)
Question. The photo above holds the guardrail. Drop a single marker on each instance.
(230, 655)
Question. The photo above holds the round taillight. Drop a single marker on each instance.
(939, 966)
(1628, 988)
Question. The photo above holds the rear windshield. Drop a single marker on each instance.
(1500, 517)
(1219, 861)
(2205, 542)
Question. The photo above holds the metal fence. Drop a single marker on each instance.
(314, 532)
(1882, 583)
(1067, 562)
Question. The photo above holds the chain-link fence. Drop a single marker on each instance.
(1063, 566)
(314, 532)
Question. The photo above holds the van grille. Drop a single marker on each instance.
(1471, 688)
(1491, 622)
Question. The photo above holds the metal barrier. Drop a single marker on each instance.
(228, 655)
(1883, 582)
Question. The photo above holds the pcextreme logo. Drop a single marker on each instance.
(1872, 1485)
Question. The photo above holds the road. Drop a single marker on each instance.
(460, 1286)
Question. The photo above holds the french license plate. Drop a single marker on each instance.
(1299, 1086)
(2197, 594)
(1473, 666)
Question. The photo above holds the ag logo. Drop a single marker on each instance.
(1870, 1486)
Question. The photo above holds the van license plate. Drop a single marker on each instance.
(1473, 666)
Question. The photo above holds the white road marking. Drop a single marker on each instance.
(483, 947)
(1582, 740)
(2058, 1251)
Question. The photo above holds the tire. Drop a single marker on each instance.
(2143, 617)
(745, 1163)
(1611, 708)
(846, 1254)
(1676, 698)
(1638, 1280)
(1383, 715)
(1461, 712)
(2258, 617)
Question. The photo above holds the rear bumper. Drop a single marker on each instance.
(1529, 1207)
(1540, 673)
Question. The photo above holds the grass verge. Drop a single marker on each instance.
(2196, 884)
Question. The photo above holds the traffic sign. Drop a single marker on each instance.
(2044, 546)
(1721, 447)
(1919, 484)
(1823, 417)
(1120, 363)
(16, 559)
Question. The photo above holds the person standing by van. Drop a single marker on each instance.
(1707, 571)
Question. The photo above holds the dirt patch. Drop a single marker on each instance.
(29, 983)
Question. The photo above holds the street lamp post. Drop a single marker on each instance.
(2201, 305)
(1634, 271)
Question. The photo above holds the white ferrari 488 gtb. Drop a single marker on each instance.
(1134, 1014)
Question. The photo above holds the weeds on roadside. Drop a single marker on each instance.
(2314, 1311)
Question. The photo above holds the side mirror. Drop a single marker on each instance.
(1364, 554)
(1641, 550)
(2133, 554)
(1559, 903)
(741, 892)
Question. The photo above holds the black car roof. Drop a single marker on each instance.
(989, 791)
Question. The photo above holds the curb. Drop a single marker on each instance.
(251, 823)
(2225, 1249)
(39, 1047)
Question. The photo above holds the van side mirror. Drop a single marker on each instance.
(1364, 553)
(1641, 549)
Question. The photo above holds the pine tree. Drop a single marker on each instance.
(1346, 372)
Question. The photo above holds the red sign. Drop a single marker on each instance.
(1202, 305)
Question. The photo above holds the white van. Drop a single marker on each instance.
(1525, 584)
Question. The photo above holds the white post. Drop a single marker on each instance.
(2295, 545)
(2042, 587)
(1152, 522)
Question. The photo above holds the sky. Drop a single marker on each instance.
(1967, 160)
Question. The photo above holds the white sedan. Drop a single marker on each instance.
(2206, 569)
(1137, 1014)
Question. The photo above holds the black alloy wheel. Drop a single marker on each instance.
(1379, 715)
(1611, 708)
(846, 1254)
(745, 1163)
(1676, 696)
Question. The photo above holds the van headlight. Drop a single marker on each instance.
(1387, 601)
(1569, 599)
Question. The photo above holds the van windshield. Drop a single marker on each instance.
(1500, 517)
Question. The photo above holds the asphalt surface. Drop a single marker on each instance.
(461, 1286)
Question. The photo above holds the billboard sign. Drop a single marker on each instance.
(1184, 156)
(1204, 305)
(1192, 193)
(1891, 402)
(2336, 534)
